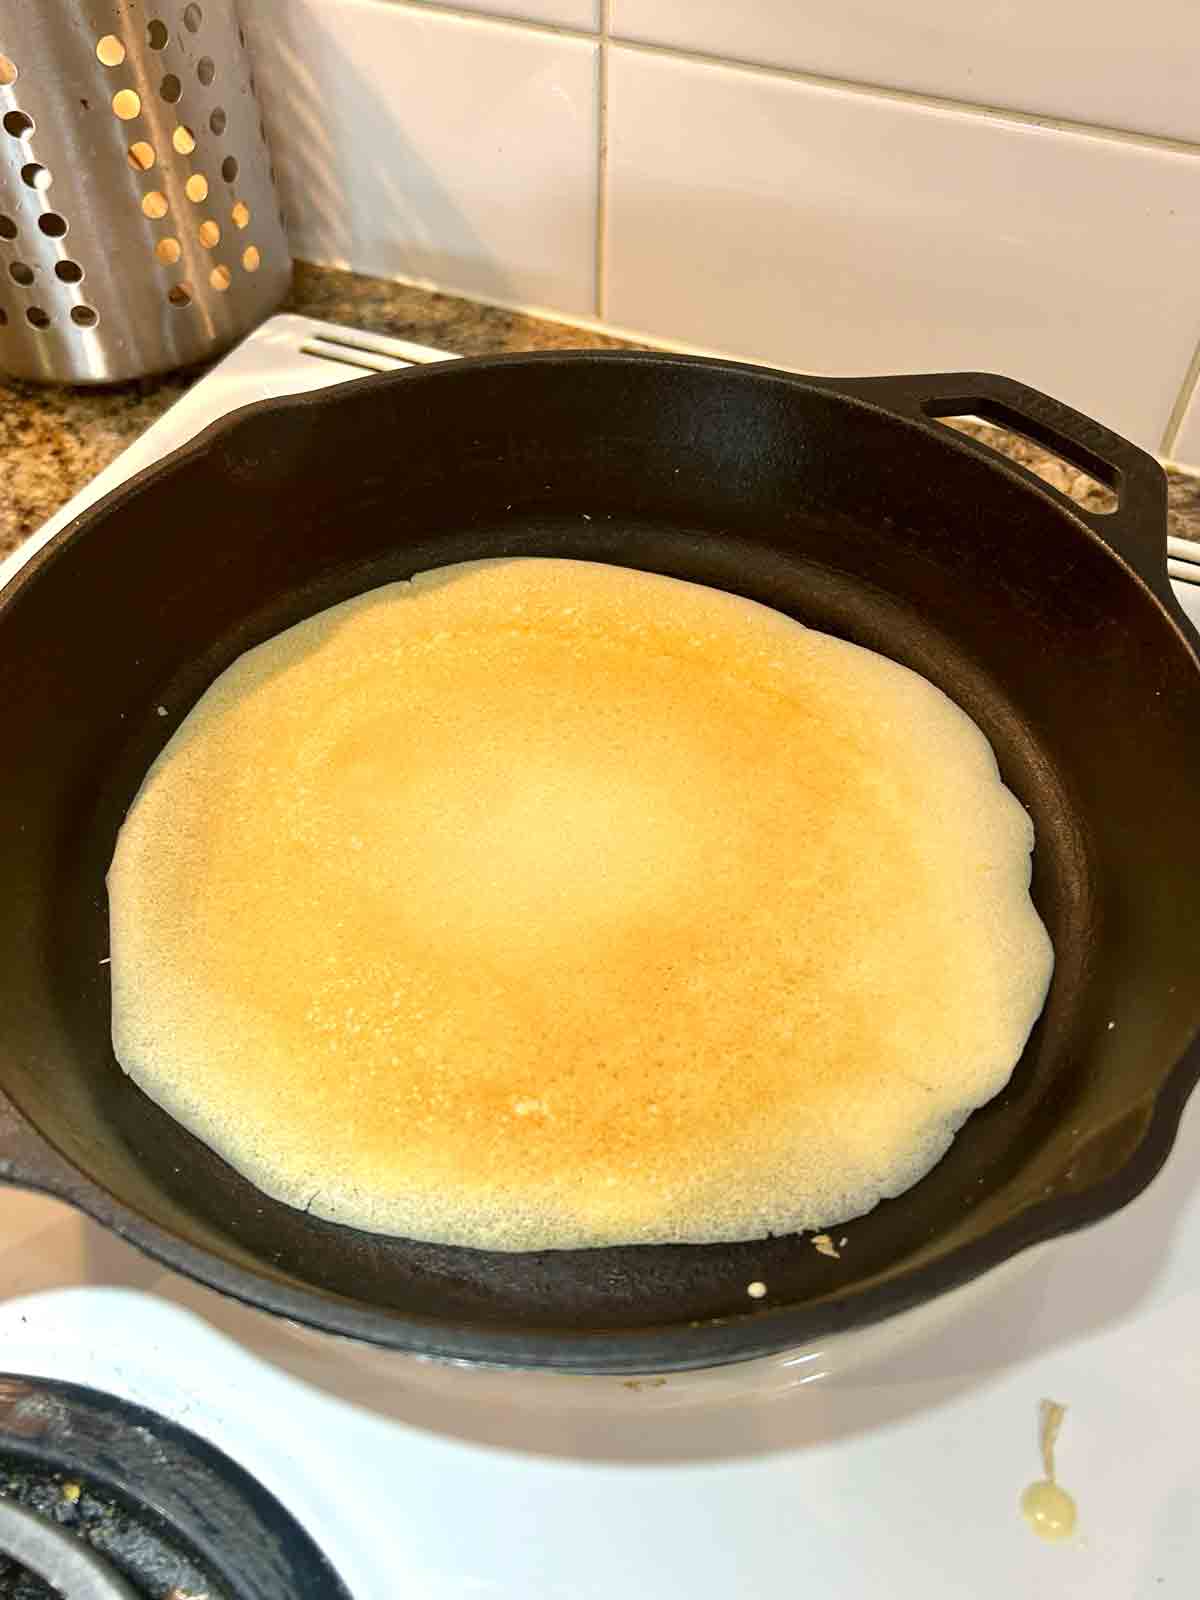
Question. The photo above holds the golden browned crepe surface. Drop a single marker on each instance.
(538, 904)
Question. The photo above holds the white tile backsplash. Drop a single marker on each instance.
(1122, 66)
(836, 231)
(768, 209)
(415, 143)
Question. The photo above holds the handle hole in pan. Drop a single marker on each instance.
(997, 432)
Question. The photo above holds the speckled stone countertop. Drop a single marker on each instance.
(52, 440)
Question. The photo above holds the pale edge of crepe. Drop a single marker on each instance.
(547, 1162)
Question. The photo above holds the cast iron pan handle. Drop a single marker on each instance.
(1135, 531)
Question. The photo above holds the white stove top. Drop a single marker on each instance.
(887, 1465)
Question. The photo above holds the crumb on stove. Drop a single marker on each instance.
(162, 711)
(825, 1245)
(756, 1290)
(646, 1383)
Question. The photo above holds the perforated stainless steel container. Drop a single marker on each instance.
(139, 225)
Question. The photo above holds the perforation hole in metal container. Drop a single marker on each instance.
(141, 155)
(229, 168)
(52, 225)
(37, 317)
(8, 228)
(251, 259)
(84, 316)
(180, 294)
(196, 188)
(18, 124)
(156, 34)
(21, 272)
(206, 70)
(127, 104)
(155, 205)
(220, 278)
(208, 233)
(170, 89)
(168, 251)
(184, 140)
(192, 18)
(240, 214)
(217, 121)
(35, 176)
(68, 271)
(110, 52)
(8, 72)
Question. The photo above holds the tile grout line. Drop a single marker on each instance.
(1189, 390)
(512, 19)
(817, 80)
(920, 99)
(601, 268)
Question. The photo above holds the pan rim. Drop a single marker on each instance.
(659, 1348)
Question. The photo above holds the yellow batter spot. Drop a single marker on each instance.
(1046, 1506)
(1049, 1510)
(540, 904)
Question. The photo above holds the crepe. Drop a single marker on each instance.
(538, 904)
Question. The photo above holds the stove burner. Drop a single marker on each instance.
(71, 1541)
(62, 1560)
(104, 1500)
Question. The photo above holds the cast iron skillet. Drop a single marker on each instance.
(839, 502)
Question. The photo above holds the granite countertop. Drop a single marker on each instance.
(53, 440)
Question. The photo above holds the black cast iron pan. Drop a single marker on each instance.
(840, 502)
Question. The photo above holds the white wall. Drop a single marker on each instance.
(834, 188)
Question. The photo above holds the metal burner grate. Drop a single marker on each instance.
(103, 1500)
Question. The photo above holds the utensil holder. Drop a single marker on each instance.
(139, 225)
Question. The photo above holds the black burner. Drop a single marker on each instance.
(143, 1509)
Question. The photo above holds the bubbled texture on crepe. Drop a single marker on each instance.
(540, 904)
